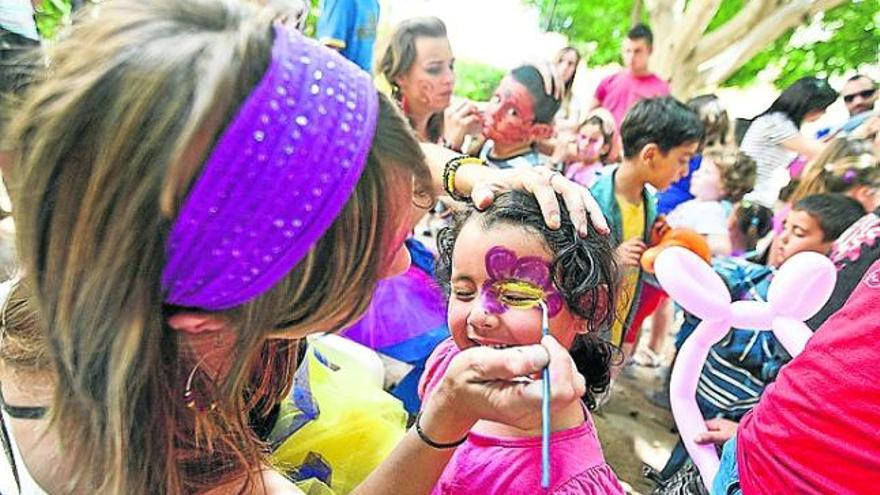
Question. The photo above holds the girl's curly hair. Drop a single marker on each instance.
(583, 270)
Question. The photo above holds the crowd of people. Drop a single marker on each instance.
(198, 189)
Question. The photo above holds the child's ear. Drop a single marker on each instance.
(541, 131)
(649, 153)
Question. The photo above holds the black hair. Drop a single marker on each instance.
(753, 221)
(545, 106)
(641, 32)
(834, 212)
(584, 272)
(860, 76)
(806, 95)
(663, 121)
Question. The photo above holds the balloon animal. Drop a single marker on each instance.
(798, 290)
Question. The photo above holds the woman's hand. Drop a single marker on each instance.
(544, 185)
(482, 183)
(462, 120)
(720, 431)
(492, 384)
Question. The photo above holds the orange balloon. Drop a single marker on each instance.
(685, 238)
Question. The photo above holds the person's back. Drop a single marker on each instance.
(815, 428)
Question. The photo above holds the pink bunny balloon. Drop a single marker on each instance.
(799, 289)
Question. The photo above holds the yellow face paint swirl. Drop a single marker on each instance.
(519, 294)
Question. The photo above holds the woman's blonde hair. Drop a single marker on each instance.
(400, 54)
(23, 343)
(844, 164)
(109, 145)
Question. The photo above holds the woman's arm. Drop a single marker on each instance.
(483, 183)
(480, 383)
(803, 146)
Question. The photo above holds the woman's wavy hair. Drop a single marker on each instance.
(109, 144)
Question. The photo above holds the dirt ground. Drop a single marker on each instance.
(633, 430)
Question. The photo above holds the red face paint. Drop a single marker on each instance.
(510, 115)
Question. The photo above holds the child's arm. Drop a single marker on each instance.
(719, 244)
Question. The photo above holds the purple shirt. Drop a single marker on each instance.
(619, 92)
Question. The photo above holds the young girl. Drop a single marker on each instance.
(497, 264)
(723, 178)
(748, 223)
(593, 141)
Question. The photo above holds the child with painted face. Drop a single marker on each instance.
(498, 264)
(593, 144)
(519, 114)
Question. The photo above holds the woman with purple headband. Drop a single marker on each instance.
(197, 188)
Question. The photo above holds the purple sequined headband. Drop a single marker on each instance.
(276, 180)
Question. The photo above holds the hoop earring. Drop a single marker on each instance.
(191, 398)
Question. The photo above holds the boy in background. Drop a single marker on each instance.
(660, 135)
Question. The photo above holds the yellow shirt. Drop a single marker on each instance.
(633, 219)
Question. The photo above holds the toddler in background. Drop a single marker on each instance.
(498, 264)
(748, 223)
(594, 139)
(723, 178)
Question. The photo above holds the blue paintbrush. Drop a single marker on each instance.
(545, 408)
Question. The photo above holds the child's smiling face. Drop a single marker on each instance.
(497, 276)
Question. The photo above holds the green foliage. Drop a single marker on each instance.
(50, 16)
(476, 81)
(854, 42)
(854, 39)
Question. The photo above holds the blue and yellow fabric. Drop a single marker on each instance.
(337, 425)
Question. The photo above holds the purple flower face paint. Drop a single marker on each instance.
(518, 282)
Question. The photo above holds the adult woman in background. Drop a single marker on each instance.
(774, 138)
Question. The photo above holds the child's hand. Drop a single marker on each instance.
(630, 252)
(486, 383)
(720, 431)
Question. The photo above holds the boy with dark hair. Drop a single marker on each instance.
(619, 92)
(660, 136)
(519, 114)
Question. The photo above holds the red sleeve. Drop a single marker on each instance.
(602, 89)
(435, 367)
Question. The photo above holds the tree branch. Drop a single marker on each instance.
(718, 40)
(788, 16)
(690, 29)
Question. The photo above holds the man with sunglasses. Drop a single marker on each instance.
(860, 96)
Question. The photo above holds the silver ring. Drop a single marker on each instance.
(552, 176)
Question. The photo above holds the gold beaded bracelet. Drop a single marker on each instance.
(449, 175)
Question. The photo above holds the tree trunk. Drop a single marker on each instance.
(635, 15)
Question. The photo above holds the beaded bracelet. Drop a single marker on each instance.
(432, 443)
(449, 175)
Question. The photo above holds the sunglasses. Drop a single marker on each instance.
(864, 94)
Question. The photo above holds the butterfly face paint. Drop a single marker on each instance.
(517, 283)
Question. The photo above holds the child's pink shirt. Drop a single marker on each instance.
(583, 173)
(488, 465)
